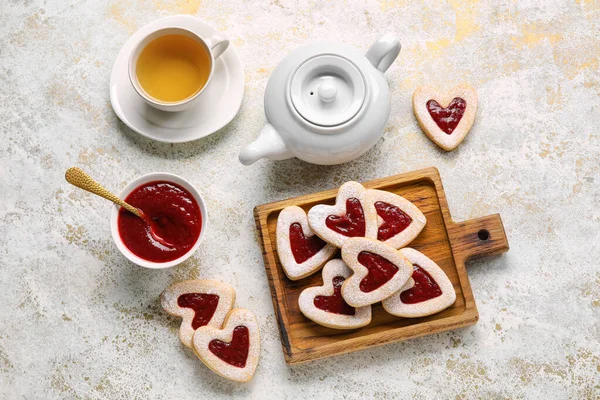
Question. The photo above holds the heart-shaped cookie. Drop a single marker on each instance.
(428, 292)
(353, 215)
(325, 304)
(445, 117)
(379, 271)
(198, 303)
(301, 252)
(233, 351)
(399, 220)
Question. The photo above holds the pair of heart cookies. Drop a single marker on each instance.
(226, 340)
(369, 226)
(446, 118)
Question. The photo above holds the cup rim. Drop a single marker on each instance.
(157, 176)
(132, 64)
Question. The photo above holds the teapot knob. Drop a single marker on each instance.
(327, 92)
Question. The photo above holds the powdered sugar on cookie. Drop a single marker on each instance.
(379, 271)
(232, 352)
(300, 251)
(399, 220)
(455, 113)
(198, 303)
(428, 292)
(353, 215)
(325, 304)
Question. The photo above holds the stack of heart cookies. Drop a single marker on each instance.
(372, 228)
(226, 340)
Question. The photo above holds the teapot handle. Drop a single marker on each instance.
(384, 51)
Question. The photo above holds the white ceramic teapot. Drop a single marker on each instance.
(326, 103)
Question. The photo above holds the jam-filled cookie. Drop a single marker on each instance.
(428, 292)
(379, 271)
(325, 304)
(301, 252)
(399, 220)
(445, 117)
(198, 303)
(353, 215)
(233, 351)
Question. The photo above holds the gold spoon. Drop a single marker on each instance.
(77, 177)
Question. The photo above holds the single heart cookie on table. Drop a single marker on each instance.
(232, 351)
(198, 303)
(301, 252)
(429, 290)
(399, 220)
(446, 118)
(353, 215)
(325, 304)
(379, 271)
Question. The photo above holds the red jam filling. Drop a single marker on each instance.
(335, 303)
(176, 217)
(352, 223)
(203, 304)
(394, 220)
(380, 269)
(447, 118)
(304, 247)
(425, 287)
(235, 352)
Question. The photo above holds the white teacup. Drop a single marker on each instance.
(214, 47)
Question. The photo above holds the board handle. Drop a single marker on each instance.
(479, 237)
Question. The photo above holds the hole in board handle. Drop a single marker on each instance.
(483, 234)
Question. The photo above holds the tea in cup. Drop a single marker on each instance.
(171, 67)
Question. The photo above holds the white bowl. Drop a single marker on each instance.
(157, 176)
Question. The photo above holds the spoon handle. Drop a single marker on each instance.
(77, 177)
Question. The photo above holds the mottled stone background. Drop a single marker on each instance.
(79, 321)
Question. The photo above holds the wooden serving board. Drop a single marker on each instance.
(446, 242)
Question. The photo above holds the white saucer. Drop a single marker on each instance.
(219, 104)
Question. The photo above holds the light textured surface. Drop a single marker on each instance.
(79, 321)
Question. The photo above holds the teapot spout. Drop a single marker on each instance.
(268, 145)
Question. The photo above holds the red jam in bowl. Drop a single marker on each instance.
(176, 217)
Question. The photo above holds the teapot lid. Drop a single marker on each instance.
(327, 90)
